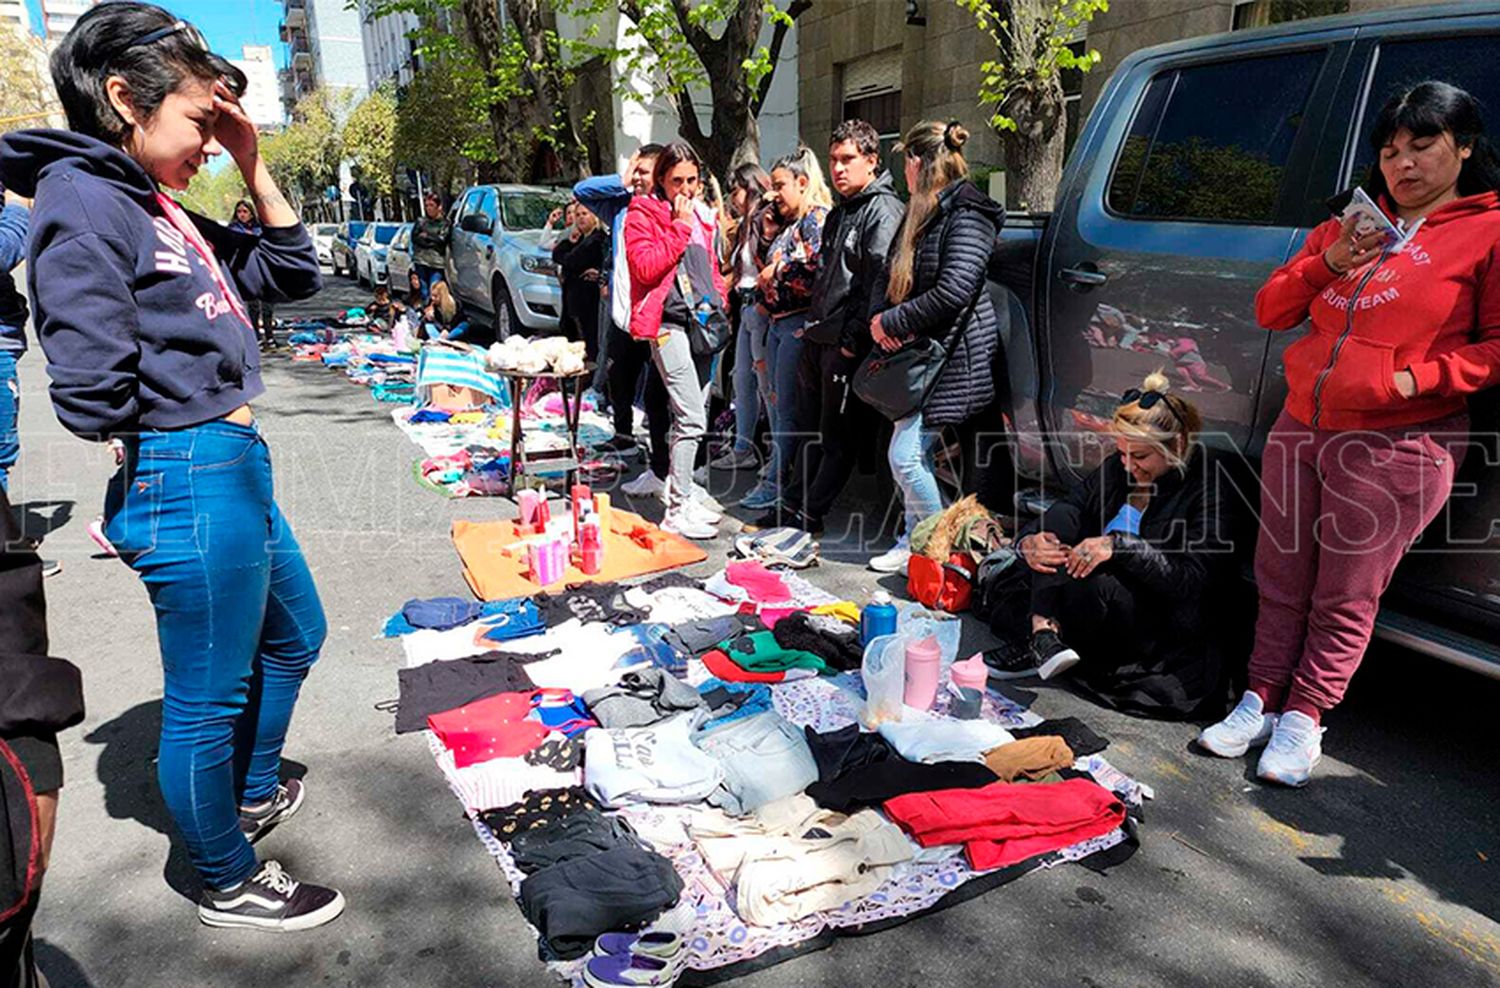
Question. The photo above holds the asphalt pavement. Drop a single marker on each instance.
(1382, 872)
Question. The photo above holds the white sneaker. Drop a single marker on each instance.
(1247, 726)
(1295, 749)
(647, 484)
(704, 499)
(700, 475)
(735, 459)
(893, 560)
(688, 525)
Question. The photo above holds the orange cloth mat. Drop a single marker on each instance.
(496, 569)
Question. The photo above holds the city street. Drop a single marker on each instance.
(1382, 872)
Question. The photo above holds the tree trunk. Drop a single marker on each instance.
(1034, 150)
(535, 22)
(482, 23)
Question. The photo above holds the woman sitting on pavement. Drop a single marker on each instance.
(1376, 419)
(443, 318)
(1122, 577)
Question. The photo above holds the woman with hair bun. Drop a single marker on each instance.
(935, 287)
(1122, 577)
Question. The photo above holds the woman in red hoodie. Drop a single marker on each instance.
(669, 234)
(1375, 422)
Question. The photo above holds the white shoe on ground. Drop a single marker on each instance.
(735, 459)
(1295, 748)
(690, 526)
(1246, 726)
(647, 484)
(893, 560)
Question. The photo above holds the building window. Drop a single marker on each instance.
(1263, 13)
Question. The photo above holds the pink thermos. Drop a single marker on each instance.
(924, 665)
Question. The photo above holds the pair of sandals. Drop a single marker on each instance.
(653, 958)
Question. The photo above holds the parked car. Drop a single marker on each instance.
(1200, 170)
(398, 260)
(341, 251)
(322, 237)
(371, 251)
(496, 263)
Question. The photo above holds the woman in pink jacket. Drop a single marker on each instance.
(663, 232)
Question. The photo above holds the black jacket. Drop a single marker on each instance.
(1181, 569)
(857, 237)
(952, 260)
(39, 696)
(580, 298)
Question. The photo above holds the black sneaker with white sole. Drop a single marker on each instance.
(272, 900)
(1051, 656)
(1012, 660)
(288, 800)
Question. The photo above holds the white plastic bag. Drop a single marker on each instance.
(884, 673)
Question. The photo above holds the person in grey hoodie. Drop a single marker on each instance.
(140, 312)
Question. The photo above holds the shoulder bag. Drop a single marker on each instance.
(897, 383)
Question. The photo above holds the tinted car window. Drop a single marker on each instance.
(471, 203)
(528, 210)
(384, 233)
(1468, 63)
(1211, 142)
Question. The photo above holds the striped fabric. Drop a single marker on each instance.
(460, 368)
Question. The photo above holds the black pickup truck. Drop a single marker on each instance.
(1201, 168)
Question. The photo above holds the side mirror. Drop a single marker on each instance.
(477, 223)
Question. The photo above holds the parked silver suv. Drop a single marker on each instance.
(496, 263)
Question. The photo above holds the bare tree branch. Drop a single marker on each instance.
(778, 37)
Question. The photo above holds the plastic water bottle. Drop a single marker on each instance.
(878, 618)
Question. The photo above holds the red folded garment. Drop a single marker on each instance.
(1005, 822)
(495, 727)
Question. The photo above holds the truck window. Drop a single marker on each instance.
(1210, 142)
(1466, 62)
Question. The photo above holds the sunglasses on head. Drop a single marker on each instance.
(178, 27)
(1148, 400)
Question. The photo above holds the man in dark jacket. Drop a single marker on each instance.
(39, 696)
(857, 237)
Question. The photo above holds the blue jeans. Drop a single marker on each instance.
(237, 617)
(749, 343)
(910, 456)
(10, 408)
(783, 350)
(427, 276)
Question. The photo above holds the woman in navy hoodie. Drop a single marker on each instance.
(138, 306)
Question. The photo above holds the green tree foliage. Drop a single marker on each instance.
(369, 139)
(442, 124)
(1023, 83)
(214, 194)
(304, 157)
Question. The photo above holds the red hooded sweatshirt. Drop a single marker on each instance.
(654, 243)
(1433, 309)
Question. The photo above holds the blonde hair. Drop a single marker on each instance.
(939, 146)
(803, 163)
(1167, 421)
(442, 301)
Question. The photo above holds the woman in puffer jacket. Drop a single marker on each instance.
(1404, 327)
(935, 281)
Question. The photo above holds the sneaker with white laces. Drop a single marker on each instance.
(762, 496)
(1247, 725)
(647, 484)
(893, 560)
(704, 499)
(690, 526)
(735, 458)
(703, 503)
(1295, 748)
(702, 513)
(1052, 657)
(271, 900)
(256, 823)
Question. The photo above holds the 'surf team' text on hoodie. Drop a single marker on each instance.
(138, 332)
(1432, 308)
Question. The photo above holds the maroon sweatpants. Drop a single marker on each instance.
(1338, 510)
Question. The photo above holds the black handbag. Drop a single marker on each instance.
(709, 329)
(896, 384)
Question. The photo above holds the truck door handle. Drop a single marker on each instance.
(1084, 275)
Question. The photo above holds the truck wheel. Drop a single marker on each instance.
(506, 322)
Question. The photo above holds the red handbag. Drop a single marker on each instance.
(943, 586)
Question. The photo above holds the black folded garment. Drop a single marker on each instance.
(858, 769)
(572, 903)
(577, 836)
(1078, 735)
(446, 685)
(830, 639)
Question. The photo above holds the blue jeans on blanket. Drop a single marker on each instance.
(765, 758)
(238, 621)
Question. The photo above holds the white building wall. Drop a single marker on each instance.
(14, 14)
(61, 15)
(387, 48)
(262, 99)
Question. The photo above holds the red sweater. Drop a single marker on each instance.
(1433, 309)
(654, 243)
